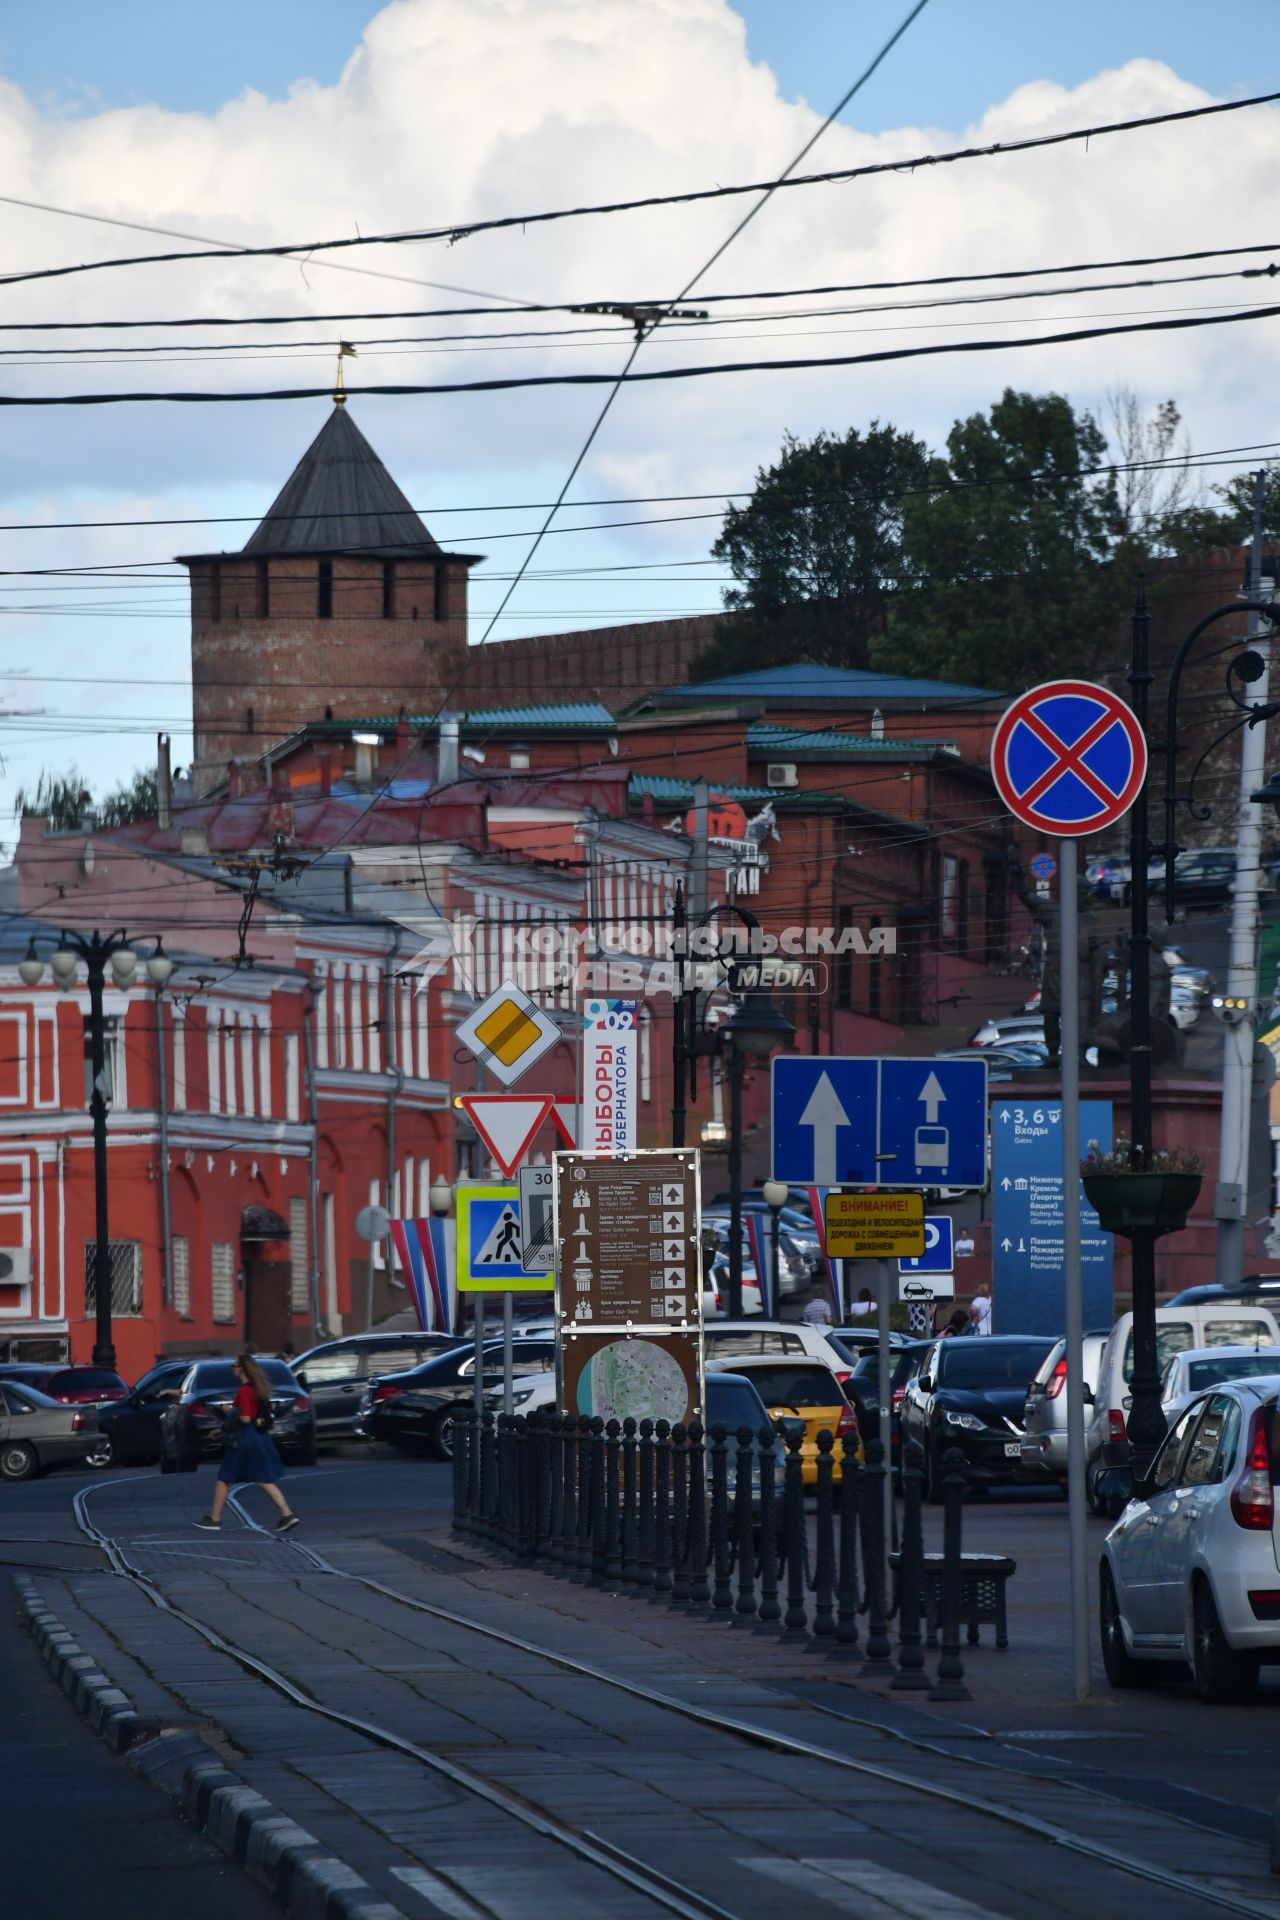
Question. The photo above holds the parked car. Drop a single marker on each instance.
(72, 1387)
(338, 1371)
(805, 1390)
(1190, 1570)
(132, 1425)
(1103, 871)
(971, 1394)
(413, 1411)
(38, 1432)
(1260, 1289)
(1011, 1029)
(799, 1254)
(1223, 1321)
(1199, 1368)
(1044, 1416)
(1002, 1062)
(1202, 876)
(727, 1339)
(863, 1388)
(192, 1424)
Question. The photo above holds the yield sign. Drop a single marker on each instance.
(507, 1122)
(1068, 758)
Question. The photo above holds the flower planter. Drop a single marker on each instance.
(1134, 1202)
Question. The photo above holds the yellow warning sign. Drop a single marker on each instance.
(508, 1032)
(874, 1226)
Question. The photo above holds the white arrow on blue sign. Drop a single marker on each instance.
(841, 1120)
(939, 1243)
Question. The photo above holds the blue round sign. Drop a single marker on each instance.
(1044, 866)
(1068, 758)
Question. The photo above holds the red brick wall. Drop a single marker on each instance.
(610, 664)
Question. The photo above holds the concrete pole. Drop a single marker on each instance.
(1231, 1197)
(1068, 908)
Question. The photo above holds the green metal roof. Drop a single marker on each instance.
(763, 736)
(681, 791)
(587, 715)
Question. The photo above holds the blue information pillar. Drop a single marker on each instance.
(1027, 1219)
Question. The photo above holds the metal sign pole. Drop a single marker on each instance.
(1070, 975)
(886, 1276)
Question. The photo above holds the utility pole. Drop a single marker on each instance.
(1231, 1198)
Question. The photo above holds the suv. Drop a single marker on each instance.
(337, 1372)
(1044, 1415)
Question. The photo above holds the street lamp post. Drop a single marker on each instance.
(98, 951)
(776, 1195)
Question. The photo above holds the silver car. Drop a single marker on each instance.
(37, 1432)
(1044, 1419)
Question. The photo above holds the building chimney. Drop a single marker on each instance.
(164, 784)
(233, 779)
(447, 759)
(325, 758)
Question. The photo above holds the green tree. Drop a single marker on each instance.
(59, 798)
(1225, 519)
(816, 553)
(1011, 549)
(134, 799)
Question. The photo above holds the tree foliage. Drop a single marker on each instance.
(134, 799)
(63, 800)
(816, 553)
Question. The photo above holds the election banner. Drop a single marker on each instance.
(610, 1069)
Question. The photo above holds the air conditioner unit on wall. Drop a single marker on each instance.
(781, 773)
(15, 1266)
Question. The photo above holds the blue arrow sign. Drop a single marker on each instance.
(938, 1247)
(843, 1121)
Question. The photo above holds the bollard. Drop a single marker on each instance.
(949, 1684)
(630, 1515)
(911, 1673)
(744, 1528)
(699, 1585)
(662, 1509)
(847, 1548)
(793, 1524)
(769, 1611)
(722, 1595)
(644, 1549)
(824, 1623)
(612, 1515)
(680, 1516)
(879, 1646)
(597, 1538)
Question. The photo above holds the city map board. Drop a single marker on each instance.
(627, 1228)
(635, 1376)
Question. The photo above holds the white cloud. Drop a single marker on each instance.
(453, 110)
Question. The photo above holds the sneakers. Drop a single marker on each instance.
(287, 1524)
(207, 1524)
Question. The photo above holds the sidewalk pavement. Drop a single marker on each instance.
(741, 1823)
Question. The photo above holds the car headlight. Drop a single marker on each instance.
(968, 1421)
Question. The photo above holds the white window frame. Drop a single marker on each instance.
(178, 1030)
(293, 1076)
(180, 1267)
(264, 1066)
(213, 1041)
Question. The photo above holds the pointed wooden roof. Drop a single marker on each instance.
(341, 499)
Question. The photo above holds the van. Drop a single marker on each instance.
(1223, 1323)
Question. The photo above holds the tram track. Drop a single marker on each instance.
(591, 1847)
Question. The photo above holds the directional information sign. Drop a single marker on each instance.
(506, 1122)
(1068, 758)
(627, 1228)
(848, 1121)
(1029, 1214)
(508, 1033)
(874, 1226)
(938, 1255)
(489, 1244)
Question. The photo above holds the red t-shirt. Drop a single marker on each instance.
(246, 1402)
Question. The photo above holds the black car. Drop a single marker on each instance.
(132, 1425)
(1258, 1287)
(192, 1424)
(337, 1373)
(414, 1411)
(971, 1394)
(863, 1388)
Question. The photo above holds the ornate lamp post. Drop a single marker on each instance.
(98, 951)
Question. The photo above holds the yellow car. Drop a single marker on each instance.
(807, 1390)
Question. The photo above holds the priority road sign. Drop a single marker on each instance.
(850, 1121)
(489, 1243)
(1068, 758)
(874, 1226)
(508, 1033)
(938, 1255)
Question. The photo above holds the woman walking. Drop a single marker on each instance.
(254, 1456)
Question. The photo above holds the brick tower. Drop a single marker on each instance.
(341, 600)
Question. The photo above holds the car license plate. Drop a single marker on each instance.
(1013, 1449)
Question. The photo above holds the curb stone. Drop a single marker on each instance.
(274, 1850)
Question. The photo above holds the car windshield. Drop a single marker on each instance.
(788, 1385)
(1240, 1366)
(22, 1391)
(219, 1376)
(83, 1380)
(981, 1364)
(732, 1403)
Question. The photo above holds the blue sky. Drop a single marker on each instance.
(960, 56)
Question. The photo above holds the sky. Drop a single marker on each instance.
(296, 121)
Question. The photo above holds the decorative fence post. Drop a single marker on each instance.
(645, 1549)
(599, 1532)
(911, 1673)
(722, 1596)
(662, 1509)
(699, 1585)
(582, 1552)
(523, 1441)
(680, 1516)
(612, 1517)
(744, 1516)
(489, 1477)
(461, 1466)
(949, 1684)
(794, 1534)
(879, 1646)
(769, 1611)
(847, 1550)
(824, 1624)
(630, 1516)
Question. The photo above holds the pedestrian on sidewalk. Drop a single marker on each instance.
(254, 1455)
(980, 1308)
(818, 1312)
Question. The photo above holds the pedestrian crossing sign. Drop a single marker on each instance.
(489, 1243)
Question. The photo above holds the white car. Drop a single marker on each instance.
(1199, 1368)
(1191, 1570)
